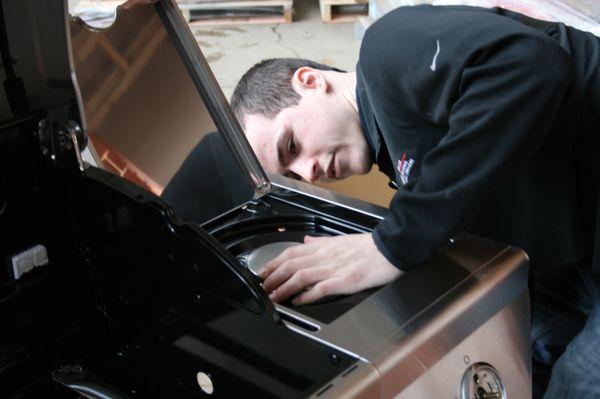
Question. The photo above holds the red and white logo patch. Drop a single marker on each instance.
(404, 167)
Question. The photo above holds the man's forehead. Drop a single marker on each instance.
(261, 133)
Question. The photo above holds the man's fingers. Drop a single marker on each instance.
(286, 270)
(299, 281)
(268, 268)
(273, 264)
(332, 286)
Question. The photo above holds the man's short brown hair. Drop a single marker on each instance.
(266, 88)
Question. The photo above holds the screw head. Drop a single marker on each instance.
(334, 358)
(205, 382)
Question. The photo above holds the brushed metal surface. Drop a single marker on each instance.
(359, 382)
(405, 335)
(503, 342)
(454, 317)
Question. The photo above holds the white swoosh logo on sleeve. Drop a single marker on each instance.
(437, 52)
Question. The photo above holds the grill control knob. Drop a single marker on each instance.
(482, 381)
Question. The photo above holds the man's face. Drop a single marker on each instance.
(319, 139)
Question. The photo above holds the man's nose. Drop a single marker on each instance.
(310, 170)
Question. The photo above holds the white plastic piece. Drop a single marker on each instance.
(27, 260)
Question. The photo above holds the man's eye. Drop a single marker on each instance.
(291, 146)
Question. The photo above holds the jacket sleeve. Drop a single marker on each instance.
(506, 103)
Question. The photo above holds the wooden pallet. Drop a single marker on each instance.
(230, 12)
(343, 10)
(201, 12)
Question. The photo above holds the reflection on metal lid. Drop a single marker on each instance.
(150, 106)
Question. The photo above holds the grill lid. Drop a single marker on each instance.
(157, 116)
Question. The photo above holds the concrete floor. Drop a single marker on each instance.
(231, 50)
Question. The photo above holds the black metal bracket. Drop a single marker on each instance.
(61, 142)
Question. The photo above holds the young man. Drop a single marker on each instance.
(487, 121)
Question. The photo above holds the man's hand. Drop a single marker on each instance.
(327, 266)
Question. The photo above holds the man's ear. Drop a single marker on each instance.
(307, 78)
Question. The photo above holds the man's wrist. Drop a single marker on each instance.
(381, 247)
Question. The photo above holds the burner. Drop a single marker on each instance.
(261, 255)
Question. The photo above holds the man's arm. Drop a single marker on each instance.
(508, 102)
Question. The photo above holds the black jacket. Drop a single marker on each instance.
(489, 122)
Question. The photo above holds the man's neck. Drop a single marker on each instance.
(344, 86)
